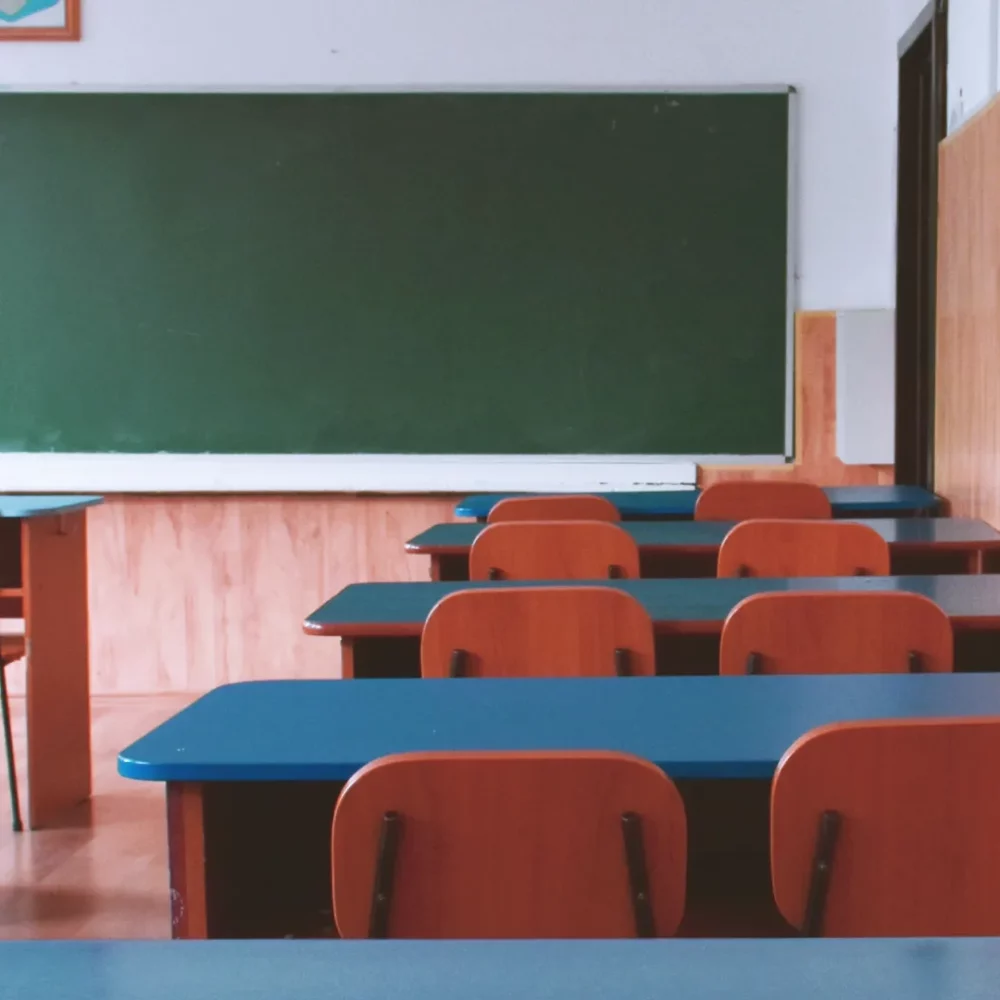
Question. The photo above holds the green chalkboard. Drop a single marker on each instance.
(393, 273)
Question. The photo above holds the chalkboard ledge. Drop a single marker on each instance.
(188, 473)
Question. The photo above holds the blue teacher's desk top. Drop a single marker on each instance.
(43, 505)
(873, 969)
(680, 503)
(709, 727)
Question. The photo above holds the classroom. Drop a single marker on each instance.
(633, 361)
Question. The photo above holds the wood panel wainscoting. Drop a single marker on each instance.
(967, 391)
(190, 592)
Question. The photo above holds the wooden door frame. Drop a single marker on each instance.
(917, 219)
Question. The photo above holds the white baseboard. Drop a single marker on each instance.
(173, 473)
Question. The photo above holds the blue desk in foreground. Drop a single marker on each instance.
(253, 770)
(43, 581)
(847, 501)
(887, 969)
(380, 623)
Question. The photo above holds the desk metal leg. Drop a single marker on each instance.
(186, 845)
(54, 564)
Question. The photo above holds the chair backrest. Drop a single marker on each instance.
(803, 548)
(538, 632)
(571, 507)
(740, 500)
(886, 632)
(889, 829)
(554, 550)
(509, 845)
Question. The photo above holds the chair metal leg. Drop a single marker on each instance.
(385, 873)
(8, 739)
(638, 877)
(822, 867)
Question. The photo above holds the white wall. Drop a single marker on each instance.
(866, 387)
(972, 57)
(840, 53)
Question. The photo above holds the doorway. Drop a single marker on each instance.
(923, 67)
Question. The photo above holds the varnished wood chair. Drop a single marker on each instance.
(740, 500)
(781, 548)
(11, 648)
(553, 550)
(571, 507)
(538, 632)
(836, 633)
(586, 844)
(889, 829)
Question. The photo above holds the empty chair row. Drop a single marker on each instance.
(729, 501)
(600, 631)
(876, 829)
(596, 550)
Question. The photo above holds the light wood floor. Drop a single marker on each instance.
(105, 874)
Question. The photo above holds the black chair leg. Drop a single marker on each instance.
(8, 740)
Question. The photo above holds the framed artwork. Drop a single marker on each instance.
(40, 20)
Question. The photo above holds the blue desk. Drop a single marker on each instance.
(674, 549)
(847, 501)
(253, 770)
(43, 580)
(380, 623)
(692, 727)
(932, 969)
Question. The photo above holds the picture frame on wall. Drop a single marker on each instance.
(39, 20)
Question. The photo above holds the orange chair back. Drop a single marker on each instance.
(889, 829)
(572, 507)
(836, 633)
(740, 500)
(554, 550)
(803, 548)
(509, 845)
(538, 632)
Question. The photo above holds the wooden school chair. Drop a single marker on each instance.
(578, 507)
(553, 550)
(538, 632)
(836, 633)
(587, 844)
(12, 647)
(781, 548)
(742, 500)
(889, 829)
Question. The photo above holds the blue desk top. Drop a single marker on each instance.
(714, 727)
(373, 609)
(43, 505)
(680, 503)
(918, 532)
(873, 969)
